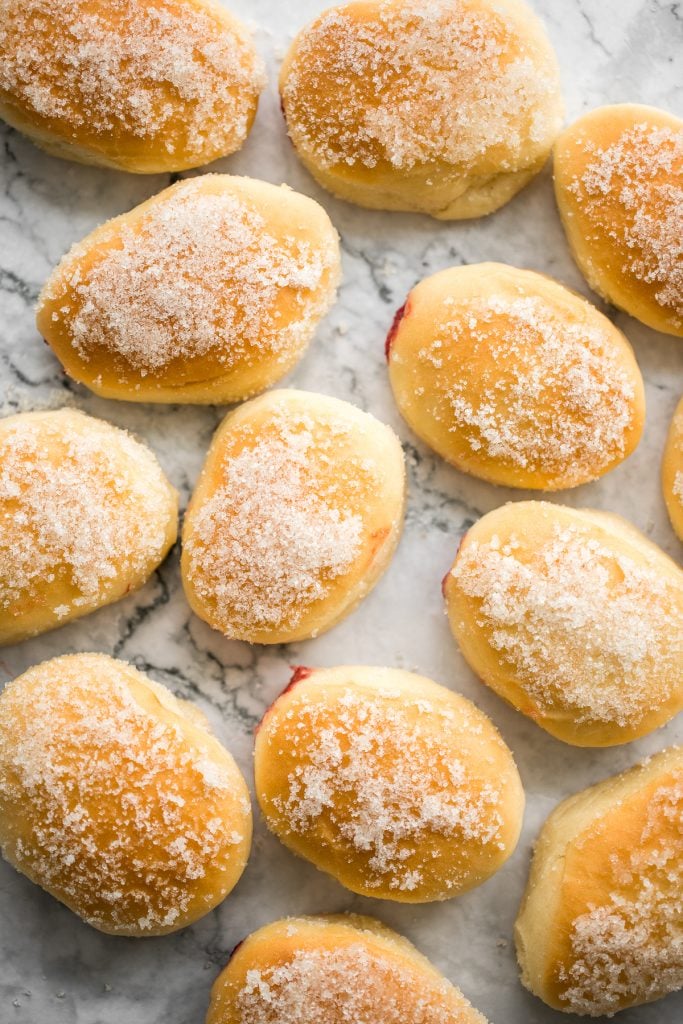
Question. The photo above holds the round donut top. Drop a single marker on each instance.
(286, 518)
(111, 801)
(463, 82)
(197, 272)
(587, 626)
(518, 371)
(128, 67)
(385, 771)
(622, 946)
(81, 503)
(630, 192)
(673, 466)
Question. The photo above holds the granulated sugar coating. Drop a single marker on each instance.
(110, 802)
(585, 627)
(631, 946)
(172, 72)
(411, 83)
(83, 506)
(197, 274)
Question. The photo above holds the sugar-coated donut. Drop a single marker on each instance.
(393, 784)
(619, 187)
(513, 378)
(336, 969)
(573, 617)
(209, 292)
(297, 513)
(447, 108)
(139, 85)
(116, 798)
(600, 926)
(86, 515)
(672, 471)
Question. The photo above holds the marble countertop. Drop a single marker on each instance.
(55, 968)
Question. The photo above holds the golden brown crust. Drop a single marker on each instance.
(209, 292)
(333, 970)
(297, 513)
(447, 108)
(396, 786)
(152, 86)
(599, 928)
(86, 515)
(513, 378)
(573, 617)
(116, 798)
(619, 187)
(672, 471)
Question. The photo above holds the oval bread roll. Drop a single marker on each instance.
(513, 378)
(672, 471)
(86, 516)
(447, 108)
(116, 798)
(573, 617)
(297, 513)
(209, 292)
(599, 929)
(138, 85)
(396, 786)
(333, 970)
(619, 187)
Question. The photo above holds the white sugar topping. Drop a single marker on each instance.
(200, 275)
(678, 485)
(82, 504)
(348, 985)
(159, 68)
(633, 192)
(585, 627)
(414, 83)
(383, 775)
(277, 532)
(631, 946)
(118, 815)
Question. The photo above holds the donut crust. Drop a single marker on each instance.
(515, 379)
(618, 174)
(672, 471)
(208, 292)
(597, 927)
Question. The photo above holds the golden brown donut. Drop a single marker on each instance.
(513, 378)
(396, 786)
(116, 798)
(337, 969)
(573, 617)
(672, 471)
(599, 929)
(296, 515)
(139, 85)
(86, 516)
(619, 187)
(447, 108)
(209, 292)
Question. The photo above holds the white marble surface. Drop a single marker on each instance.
(54, 968)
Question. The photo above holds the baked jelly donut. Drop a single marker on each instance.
(394, 785)
(86, 516)
(208, 292)
(515, 379)
(116, 798)
(447, 108)
(334, 969)
(599, 929)
(619, 187)
(672, 471)
(296, 514)
(573, 617)
(138, 85)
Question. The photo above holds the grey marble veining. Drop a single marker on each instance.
(54, 968)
